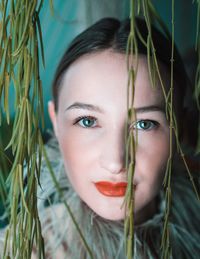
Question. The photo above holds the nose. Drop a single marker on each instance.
(112, 156)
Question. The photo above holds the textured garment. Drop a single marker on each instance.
(106, 238)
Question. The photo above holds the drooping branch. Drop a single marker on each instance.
(19, 62)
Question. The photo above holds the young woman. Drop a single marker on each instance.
(89, 115)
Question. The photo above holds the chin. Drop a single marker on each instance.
(111, 214)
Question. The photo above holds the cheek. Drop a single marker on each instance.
(152, 156)
(73, 158)
(78, 150)
(72, 150)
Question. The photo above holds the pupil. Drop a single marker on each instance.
(144, 124)
(88, 122)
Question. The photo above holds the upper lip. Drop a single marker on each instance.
(114, 183)
(108, 183)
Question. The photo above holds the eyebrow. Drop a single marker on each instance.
(85, 106)
(91, 107)
(150, 108)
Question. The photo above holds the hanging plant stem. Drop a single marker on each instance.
(19, 62)
(67, 207)
(131, 142)
(165, 244)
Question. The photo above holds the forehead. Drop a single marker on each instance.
(103, 77)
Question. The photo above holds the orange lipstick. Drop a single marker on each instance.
(111, 189)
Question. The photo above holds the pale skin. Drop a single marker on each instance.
(89, 125)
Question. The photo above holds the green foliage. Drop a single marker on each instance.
(19, 62)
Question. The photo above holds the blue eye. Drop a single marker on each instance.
(145, 125)
(87, 122)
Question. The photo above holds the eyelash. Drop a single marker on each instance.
(154, 124)
(78, 120)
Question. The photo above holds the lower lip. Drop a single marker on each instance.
(111, 189)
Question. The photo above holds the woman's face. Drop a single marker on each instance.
(90, 127)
